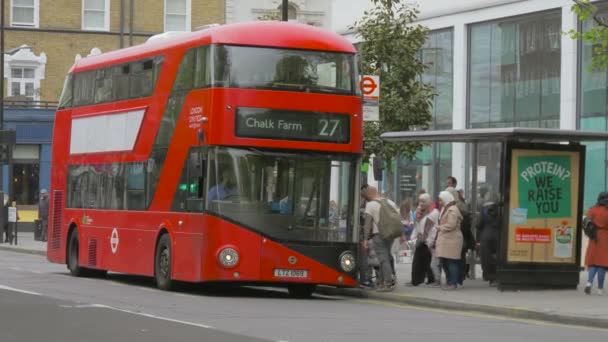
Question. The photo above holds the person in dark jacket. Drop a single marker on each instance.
(5, 206)
(487, 236)
(43, 212)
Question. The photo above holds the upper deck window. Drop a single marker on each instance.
(113, 83)
(284, 69)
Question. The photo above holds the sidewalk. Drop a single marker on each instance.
(26, 244)
(559, 306)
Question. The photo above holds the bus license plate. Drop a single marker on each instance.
(285, 273)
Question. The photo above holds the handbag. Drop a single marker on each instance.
(589, 228)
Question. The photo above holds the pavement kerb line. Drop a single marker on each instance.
(22, 250)
(510, 312)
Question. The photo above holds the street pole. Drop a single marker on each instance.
(2, 86)
(131, 11)
(284, 10)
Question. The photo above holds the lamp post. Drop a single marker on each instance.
(284, 10)
(2, 86)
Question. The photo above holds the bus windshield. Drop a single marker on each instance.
(287, 196)
(283, 69)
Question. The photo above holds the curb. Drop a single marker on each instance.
(21, 250)
(510, 312)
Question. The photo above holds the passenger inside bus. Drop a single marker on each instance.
(224, 189)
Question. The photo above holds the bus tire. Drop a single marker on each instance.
(73, 249)
(301, 290)
(162, 263)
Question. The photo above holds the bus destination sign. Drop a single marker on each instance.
(292, 125)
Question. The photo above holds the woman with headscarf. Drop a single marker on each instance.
(596, 258)
(426, 219)
(467, 233)
(449, 239)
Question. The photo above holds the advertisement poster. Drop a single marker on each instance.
(543, 206)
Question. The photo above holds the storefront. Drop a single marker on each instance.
(31, 169)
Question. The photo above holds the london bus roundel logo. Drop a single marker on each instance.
(114, 241)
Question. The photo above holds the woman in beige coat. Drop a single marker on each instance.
(449, 238)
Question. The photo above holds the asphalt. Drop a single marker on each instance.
(32, 317)
(120, 302)
(560, 307)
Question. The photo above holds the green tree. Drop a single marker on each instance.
(391, 47)
(596, 35)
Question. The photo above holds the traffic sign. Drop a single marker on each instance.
(370, 86)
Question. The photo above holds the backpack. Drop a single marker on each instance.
(389, 225)
(589, 228)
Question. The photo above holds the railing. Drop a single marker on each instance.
(30, 104)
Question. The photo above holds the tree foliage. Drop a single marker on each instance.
(391, 48)
(597, 35)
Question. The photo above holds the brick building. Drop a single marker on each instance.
(42, 40)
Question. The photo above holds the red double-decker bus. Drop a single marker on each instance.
(223, 155)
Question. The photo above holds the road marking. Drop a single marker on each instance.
(8, 288)
(154, 316)
(19, 269)
(82, 306)
(478, 315)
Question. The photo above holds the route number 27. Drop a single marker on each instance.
(328, 127)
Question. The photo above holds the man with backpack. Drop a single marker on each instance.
(382, 225)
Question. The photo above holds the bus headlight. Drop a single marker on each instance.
(228, 257)
(347, 261)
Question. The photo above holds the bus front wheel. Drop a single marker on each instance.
(301, 290)
(162, 263)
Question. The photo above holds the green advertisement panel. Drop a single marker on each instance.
(545, 185)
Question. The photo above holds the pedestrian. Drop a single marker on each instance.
(596, 258)
(7, 232)
(365, 269)
(451, 182)
(382, 245)
(449, 238)
(407, 218)
(487, 236)
(467, 234)
(43, 213)
(426, 219)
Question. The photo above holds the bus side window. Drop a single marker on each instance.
(185, 75)
(202, 76)
(84, 88)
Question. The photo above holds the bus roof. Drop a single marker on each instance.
(256, 33)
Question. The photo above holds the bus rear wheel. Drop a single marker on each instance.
(73, 249)
(301, 290)
(73, 260)
(162, 263)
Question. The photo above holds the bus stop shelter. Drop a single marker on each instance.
(541, 199)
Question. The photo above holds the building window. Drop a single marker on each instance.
(24, 13)
(177, 15)
(593, 109)
(96, 15)
(437, 53)
(22, 82)
(433, 164)
(23, 72)
(514, 72)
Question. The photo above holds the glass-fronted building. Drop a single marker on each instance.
(504, 63)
